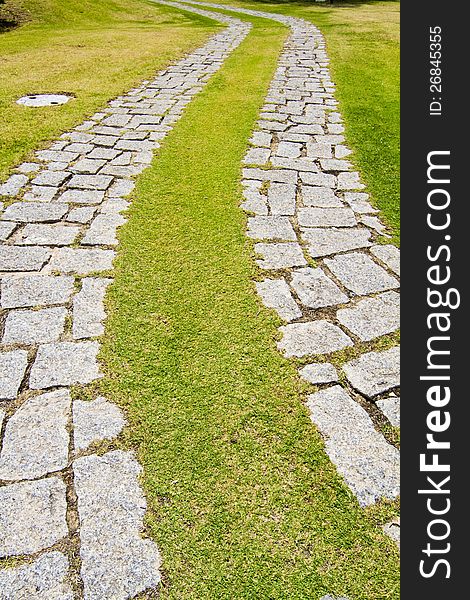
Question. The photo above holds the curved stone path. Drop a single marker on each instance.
(71, 515)
(325, 274)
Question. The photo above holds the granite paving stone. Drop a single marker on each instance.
(369, 464)
(12, 369)
(312, 337)
(94, 421)
(81, 261)
(65, 363)
(391, 409)
(53, 178)
(19, 291)
(32, 516)
(43, 579)
(280, 255)
(90, 182)
(88, 308)
(319, 373)
(35, 212)
(275, 293)
(322, 197)
(327, 241)
(389, 255)
(374, 372)
(115, 561)
(360, 274)
(54, 234)
(372, 317)
(34, 326)
(26, 456)
(326, 217)
(315, 289)
(271, 228)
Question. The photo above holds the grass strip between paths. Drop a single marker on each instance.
(243, 502)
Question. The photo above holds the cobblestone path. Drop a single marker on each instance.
(71, 517)
(326, 276)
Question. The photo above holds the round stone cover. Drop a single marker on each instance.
(36, 100)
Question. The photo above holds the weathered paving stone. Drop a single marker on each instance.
(51, 178)
(312, 337)
(81, 214)
(295, 164)
(32, 516)
(391, 409)
(373, 223)
(41, 193)
(82, 196)
(289, 149)
(254, 202)
(315, 289)
(270, 175)
(103, 230)
(28, 167)
(12, 369)
(56, 156)
(392, 529)
(20, 291)
(280, 256)
(281, 198)
(18, 258)
(374, 372)
(65, 363)
(270, 228)
(276, 294)
(95, 421)
(257, 156)
(349, 181)
(88, 308)
(389, 255)
(333, 164)
(54, 234)
(13, 185)
(81, 260)
(6, 229)
(322, 197)
(35, 212)
(34, 326)
(316, 150)
(121, 187)
(326, 217)
(90, 182)
(318, 179)
(116, 562)
(43, 579)
(369, 465)
(262, 139)
(360, 274)
(372, 317)
(79, 147)
(26, 456)
(319, 373)
(358, 201)
(324, 241)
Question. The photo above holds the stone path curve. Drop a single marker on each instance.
(72, 517)
(326, 275)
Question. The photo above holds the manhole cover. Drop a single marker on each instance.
(43, 100)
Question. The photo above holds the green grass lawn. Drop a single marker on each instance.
(243, 502)
(363, 45)
(95, 49)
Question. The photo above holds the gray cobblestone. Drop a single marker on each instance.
(327, 241)
(360, 274)
(312, 337)
(315, 289)
(280, 256)
(34, 326)
(34, 212)
(32, 516)
(372, 317)
(276, 294)
(19, 291)
(374, 372)
(12, 369)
